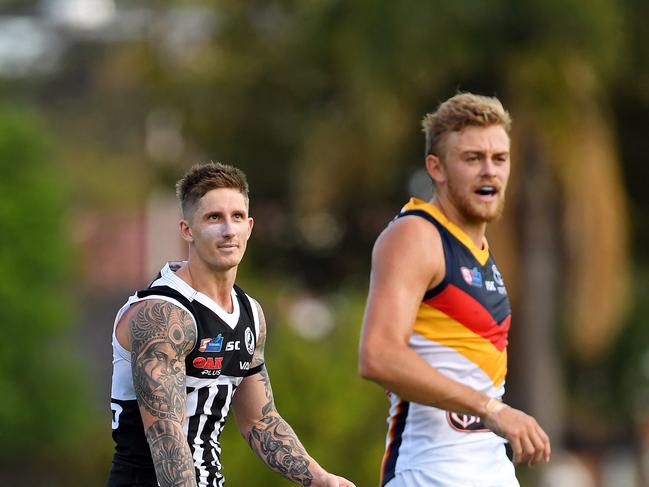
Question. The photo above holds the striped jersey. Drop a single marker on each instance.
(216, 365)
(461, 330)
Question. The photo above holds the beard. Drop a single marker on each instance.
(474, 211)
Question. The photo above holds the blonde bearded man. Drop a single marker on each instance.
(437, 315)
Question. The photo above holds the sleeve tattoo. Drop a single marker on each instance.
(258, 357)
(162, 335)
(275, 442)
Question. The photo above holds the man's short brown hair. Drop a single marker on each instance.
(203, 178)
(458, 112)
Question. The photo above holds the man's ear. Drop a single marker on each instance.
(186, 231)
(436, 169)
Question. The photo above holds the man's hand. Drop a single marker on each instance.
(528, 440)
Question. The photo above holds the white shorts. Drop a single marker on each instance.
(421, 478)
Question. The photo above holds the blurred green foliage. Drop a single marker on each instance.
(41, 385)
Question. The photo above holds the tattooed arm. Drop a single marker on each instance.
(269, 436)
(161, 336)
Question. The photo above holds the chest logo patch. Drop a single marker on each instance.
(211, 344)
(472, 277)
(250, 341)
(497, 277)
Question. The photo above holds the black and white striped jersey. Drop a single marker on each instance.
(215, 367)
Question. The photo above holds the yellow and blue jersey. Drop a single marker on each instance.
(461, 330)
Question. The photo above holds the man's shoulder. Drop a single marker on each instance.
(409, 248)
(410, 231)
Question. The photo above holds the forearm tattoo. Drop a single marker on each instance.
(275, 442)
(162, 335)
(172, 459)
(268, 391)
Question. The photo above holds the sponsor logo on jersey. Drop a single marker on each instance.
(465, 422)
(215, 345)
(211, 344)
(244, 365)
(472, 277)
(490, 285)
(250, 341)
(211, 363)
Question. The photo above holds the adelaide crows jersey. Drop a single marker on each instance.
(217, 364)
(461, 330)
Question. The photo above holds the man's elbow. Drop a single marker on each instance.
(369, 366)
(245, 434)
(245, 428)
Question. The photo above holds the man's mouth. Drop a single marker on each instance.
(486, 190)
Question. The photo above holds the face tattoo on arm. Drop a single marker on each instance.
(162, 335)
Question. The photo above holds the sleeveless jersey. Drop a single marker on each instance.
(217, 364)
(461, 330)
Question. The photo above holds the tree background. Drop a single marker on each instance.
(104, 104)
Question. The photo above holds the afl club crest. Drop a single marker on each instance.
(250, 341)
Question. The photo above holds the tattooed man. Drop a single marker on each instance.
(189, 347)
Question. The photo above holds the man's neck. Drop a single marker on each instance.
(215, 284)
(474, 230)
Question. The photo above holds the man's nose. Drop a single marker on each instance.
(228, 227)
(488, 167)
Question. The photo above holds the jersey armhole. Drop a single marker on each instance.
(443, 235)
(434, 291)
(255, 315)
(254, 370)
